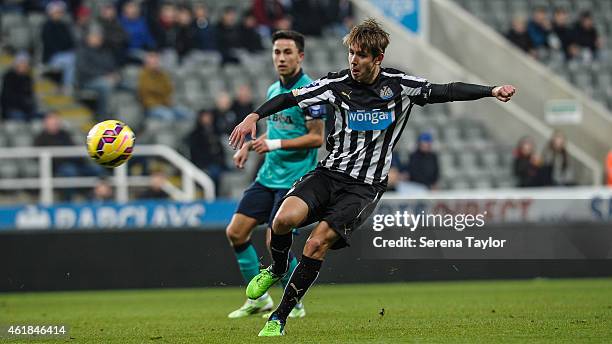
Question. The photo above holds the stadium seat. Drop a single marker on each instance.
(467, 159)
(490, 160)
(216, 85)
(460, 184)
(19, 37)
(483, 183)
(167, 138)
(233, 184)
(9, 169)
(193, 91)
(28, 168)
(129, 77)
(132, 115)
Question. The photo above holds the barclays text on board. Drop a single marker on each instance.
(133, 215)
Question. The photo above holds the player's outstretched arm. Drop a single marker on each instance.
(248, 125)
(459, 91)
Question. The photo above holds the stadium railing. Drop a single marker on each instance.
(46, 182)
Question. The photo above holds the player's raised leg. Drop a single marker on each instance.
(298, 311)
(319, 242)
(238, 233)
(292, 212)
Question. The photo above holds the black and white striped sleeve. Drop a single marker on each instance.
(421, 92)
(417, 89)
(316, 93)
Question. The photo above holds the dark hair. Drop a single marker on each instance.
(228, 9)
(368, 36)
(297, 37)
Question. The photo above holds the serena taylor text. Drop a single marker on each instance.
(423, 242)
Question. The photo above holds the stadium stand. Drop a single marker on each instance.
(469, 156)
(590, 72)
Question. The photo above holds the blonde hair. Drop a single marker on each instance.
(368, 36)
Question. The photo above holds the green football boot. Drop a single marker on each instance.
(260, 284)
(272, 328)
(263, 304)
(297, 312)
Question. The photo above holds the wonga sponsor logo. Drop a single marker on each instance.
(369, 119)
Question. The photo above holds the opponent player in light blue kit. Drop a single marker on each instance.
(290, 147)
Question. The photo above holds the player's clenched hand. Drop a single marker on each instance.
(260, 146)
(246, 127)
(504, 93)
(241, 156)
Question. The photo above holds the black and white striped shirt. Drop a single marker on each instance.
(369, 119)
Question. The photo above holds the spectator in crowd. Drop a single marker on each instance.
(155, 91)
(586, 35)
(526, 163)
(539, 28)
(205, 33)
(58, 44)
(96, 70)
(185, 34)
(17, 98)
(225, 117)
(115, 37)
(243, 104)
(82, 23)
(565, 33)
(229, 35)
(518, 36)
(139, 36)
(395, 177)
(423, 163)
(310, 16)
(420, 174)
(54, 135)
(251, 40)
(164, 29)
(103, 191)
(269, 14)
(341, 16)
(556, 166)
(155, 190)
(206, 147)
(609, 169)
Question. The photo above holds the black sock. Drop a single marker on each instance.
(303, 276)
(242, 247)
(279, 247)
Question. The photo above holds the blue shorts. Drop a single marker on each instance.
(261, 203)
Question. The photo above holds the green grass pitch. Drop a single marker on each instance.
(540, 310)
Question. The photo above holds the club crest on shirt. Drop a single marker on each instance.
(386, 92)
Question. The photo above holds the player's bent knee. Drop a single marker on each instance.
(283, 223)
(235, 236)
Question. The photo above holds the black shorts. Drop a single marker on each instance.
(261, 202)
(343, 202)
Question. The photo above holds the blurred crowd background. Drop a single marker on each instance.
(184, 73)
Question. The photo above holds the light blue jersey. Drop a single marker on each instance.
(282, 168)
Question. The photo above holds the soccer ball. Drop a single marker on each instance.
(110, 143)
